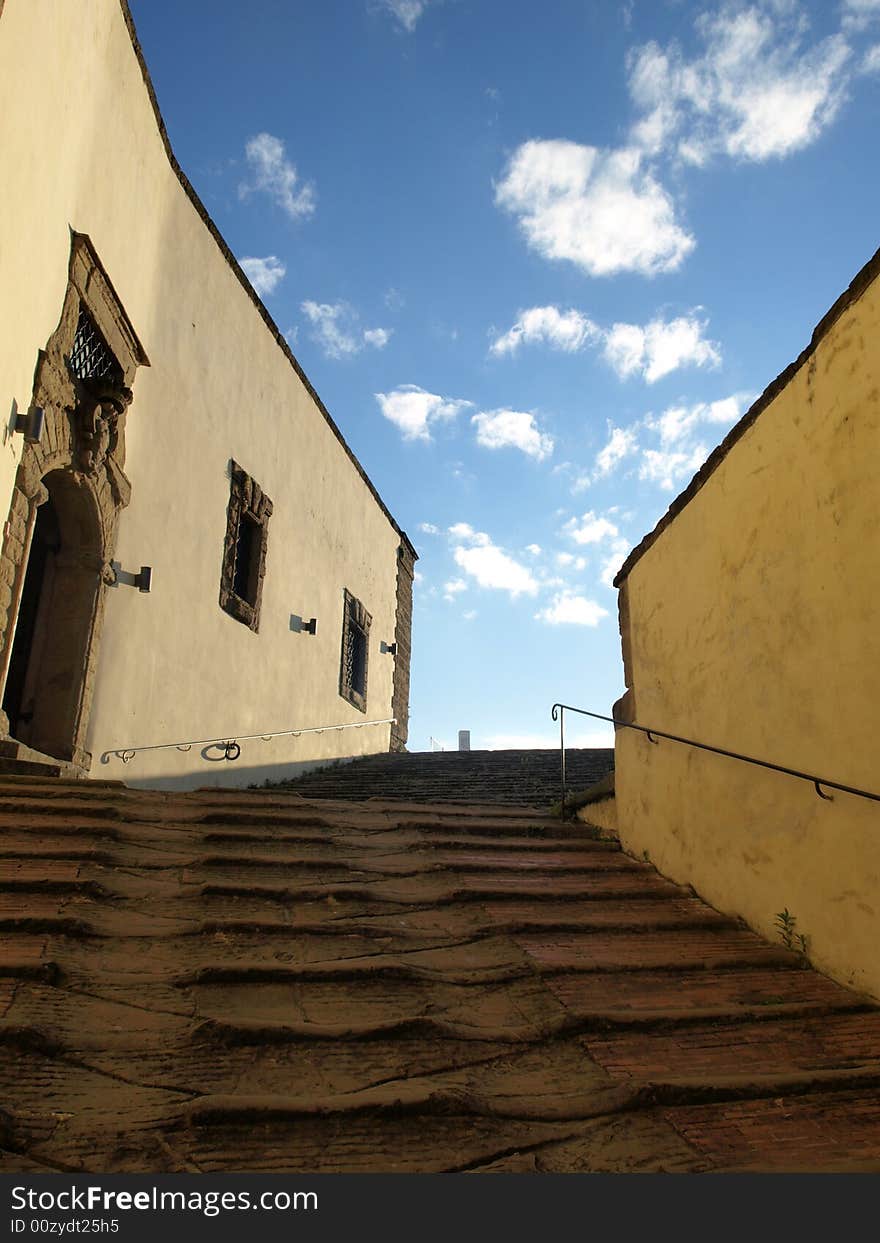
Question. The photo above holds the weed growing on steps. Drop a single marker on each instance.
(791, 938)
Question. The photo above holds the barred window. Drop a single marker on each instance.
(91, 357)
(355, 652)
(244, 549)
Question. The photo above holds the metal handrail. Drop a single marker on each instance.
(231, 744)
(559, 710)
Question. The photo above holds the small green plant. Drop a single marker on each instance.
(791, 938)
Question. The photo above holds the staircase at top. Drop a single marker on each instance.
(517, 778)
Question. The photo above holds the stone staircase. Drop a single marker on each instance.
(17, 759)
(254, 981)
(514, 778)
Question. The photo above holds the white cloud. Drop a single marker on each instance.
(569, 561)
(415, 411)
(678, 422)
(464, 531)
(534, 549)
(488, 564)
(679, 453)
(652, 350)
(337, 329)
(453, 588)
(569, 609)
(669, 466)
(263, 274)
(563, 330)
(660, 347)
(755, 93)
(871, 60)
(469, 615)
(428, 528)
(590, 528)
(858, 14)
(405, 12)
(621, 443)
(613, 561)
(500, 429)
(600, 209)
(275, 175)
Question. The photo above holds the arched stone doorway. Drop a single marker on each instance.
(56, 617)
(61, 531)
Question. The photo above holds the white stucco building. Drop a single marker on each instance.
(178, 434)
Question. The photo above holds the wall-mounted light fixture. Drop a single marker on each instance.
(388, 648)
(143, 581)
(31, 424)
(298, 626)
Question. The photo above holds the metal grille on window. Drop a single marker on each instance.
(355, 641)
(91, 358)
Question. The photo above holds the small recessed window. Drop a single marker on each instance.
(244, 549)
(355, 652)
(247, 558)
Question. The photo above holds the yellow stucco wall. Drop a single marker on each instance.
(81, 149)
(601, 815)
(753, 625)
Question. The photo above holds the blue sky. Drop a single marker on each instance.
(536, 258)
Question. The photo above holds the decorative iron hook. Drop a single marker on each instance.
(651, 738)
(233, 750)
(829, 798)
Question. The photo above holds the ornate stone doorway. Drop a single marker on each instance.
(61, 532)
(56, 614)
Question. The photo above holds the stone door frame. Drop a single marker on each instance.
(83, 437)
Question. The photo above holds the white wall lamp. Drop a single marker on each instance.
(31, 424)
(298, 626)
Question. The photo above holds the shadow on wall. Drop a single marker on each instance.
(217, 772)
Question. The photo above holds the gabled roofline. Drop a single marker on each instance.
(857, 287)
(242, 279)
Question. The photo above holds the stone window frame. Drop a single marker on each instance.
(247, 500)
(354, 617)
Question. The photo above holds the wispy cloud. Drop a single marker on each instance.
(859, 14)
(756, 92)
(275, 175)
(406, 13)
(620, 444)
(651, 350)
(517, 429)
(658, 348)
(669, 467)
(591, 528)
(337, 329)
(453, 588)
(562, 330)
(488, 564)
(871, 60)
(680, 452)
(264, 274)
(568, 609)
(602, 210)
(415, 411)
